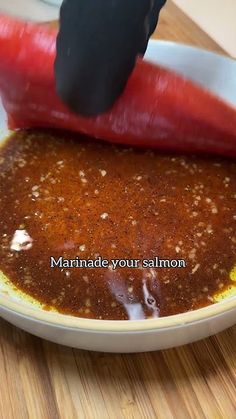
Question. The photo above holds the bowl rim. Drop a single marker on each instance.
(126, 326)
(193, 48)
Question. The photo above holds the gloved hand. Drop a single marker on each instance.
(97, 46)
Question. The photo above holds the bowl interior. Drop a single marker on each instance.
(215, 72)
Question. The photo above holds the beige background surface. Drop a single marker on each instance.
(216, 17)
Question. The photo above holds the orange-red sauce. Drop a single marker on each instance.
(69, 196)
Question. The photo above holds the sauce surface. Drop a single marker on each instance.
(72, 197)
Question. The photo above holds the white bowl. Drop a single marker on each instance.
(217, 73)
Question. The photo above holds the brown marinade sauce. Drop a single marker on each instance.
(62, 195)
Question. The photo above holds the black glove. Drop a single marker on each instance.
(97, 46)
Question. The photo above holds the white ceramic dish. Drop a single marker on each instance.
(35, 10)
(218, 74)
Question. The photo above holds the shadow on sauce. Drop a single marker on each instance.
(69, 196)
